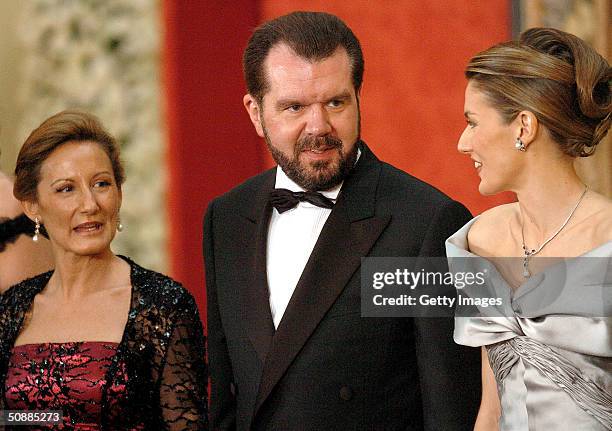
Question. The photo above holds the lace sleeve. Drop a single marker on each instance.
(183, 386)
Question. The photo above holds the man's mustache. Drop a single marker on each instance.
(316, 143)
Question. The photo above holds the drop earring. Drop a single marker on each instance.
(518, 144)
(36, 230)
(119, 224)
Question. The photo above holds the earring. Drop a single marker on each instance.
(119, 224)
(36, 230)
(519, 145)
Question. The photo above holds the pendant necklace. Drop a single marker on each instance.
(528, 253)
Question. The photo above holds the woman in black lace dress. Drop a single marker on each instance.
(112, 345)
(20, 258)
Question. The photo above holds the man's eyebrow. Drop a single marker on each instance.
(283, 103)
(342, 96)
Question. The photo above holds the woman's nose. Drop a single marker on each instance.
(463, 145)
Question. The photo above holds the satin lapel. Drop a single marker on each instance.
(254, 295)
(349, 233)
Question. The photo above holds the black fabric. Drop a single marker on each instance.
(10, 229)
(326, 367)
(284, 200)
(162, 347)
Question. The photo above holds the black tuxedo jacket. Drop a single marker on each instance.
(326, 367)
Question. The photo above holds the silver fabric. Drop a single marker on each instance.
(554, 368)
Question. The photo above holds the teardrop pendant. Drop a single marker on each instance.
(526, 272)
(36, 229)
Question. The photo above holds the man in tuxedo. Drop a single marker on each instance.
(288, 348)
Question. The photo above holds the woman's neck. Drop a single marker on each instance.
(76, 276)
(547, 199)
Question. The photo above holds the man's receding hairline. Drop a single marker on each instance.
(284, 43)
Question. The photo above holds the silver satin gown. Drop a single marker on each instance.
(554, 368)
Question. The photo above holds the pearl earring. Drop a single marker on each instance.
(518, 144)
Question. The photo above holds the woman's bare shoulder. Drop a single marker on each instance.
(490, 228)
(600, 218)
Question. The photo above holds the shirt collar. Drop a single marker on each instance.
(284, 182)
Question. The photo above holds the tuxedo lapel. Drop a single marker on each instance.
(254, 296)
(349, 233)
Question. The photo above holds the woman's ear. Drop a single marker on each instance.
(529, 124)
(32, 210)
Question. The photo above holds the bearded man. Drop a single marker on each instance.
(288, 347)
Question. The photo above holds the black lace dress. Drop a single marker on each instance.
(154, 379)
(11, 228)
(63, 376)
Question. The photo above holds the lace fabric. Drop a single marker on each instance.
(159, 363)
(61, 376)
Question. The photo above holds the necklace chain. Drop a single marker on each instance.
(528, 253)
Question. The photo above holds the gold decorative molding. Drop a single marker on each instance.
(589, 20)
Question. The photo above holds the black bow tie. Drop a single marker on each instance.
(283, 199)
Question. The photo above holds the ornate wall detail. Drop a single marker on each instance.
(103, 56)
(589, 20)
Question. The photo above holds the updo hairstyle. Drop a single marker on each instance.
(66, 126)
(555, 75)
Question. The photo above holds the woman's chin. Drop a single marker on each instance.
(99, 247)
(486, 189)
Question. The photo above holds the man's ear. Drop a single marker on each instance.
(31, 210)
(254, 111)
(529, 125)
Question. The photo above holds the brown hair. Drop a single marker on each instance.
(311, 35)
(555, 75)
(55, 131)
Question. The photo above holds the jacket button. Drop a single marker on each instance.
(233, 389)
(346, 393)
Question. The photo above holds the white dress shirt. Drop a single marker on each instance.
(292, 236)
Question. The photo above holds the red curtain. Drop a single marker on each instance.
(412, 99)
(211, 145)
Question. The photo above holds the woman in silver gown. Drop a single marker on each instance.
(532, 106)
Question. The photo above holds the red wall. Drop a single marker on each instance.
(211, 145)
(412, 99)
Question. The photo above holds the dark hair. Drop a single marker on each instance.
(311, 35)
(555, 75)
(66, 126)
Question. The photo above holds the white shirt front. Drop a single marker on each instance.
(291, 237)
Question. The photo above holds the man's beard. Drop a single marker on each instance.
(318, 175)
